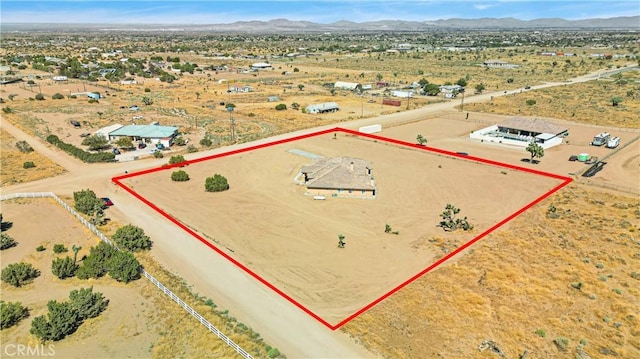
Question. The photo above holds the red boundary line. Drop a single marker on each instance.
(565, 181)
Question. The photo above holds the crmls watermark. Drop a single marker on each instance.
(22, 350)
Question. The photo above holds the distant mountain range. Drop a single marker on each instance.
(289, 26)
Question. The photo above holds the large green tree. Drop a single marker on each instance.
(431, 89)
(61, 320)
(64, 267)
(87, 202)
(95, 265)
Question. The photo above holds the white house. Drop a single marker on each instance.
(402, 94)
(323, 107)
(260, 66)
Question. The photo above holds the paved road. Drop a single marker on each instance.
(294, 332)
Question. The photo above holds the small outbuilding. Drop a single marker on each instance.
(260, 66)
(351, 86)
(323, 107)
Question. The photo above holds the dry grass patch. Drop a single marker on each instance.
(522, 279)
(12, 163)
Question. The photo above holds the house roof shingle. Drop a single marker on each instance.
(339, 173)
(535, 125)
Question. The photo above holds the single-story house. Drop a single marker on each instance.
(339, 177)
(60, 78)
(499, 64)
(93, 95)
(519, 131)
(105, 131)
(146, 133)
(128, 82)
(352, 86)
(323, 107)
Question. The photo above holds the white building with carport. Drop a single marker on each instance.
(519, 131)
(105, 131)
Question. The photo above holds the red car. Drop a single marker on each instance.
(107, 202)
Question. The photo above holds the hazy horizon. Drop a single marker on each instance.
(323, 12)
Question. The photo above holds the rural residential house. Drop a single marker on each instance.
(146, 133)
(351, 86)
(323, 107)
(339, 177)
(519, 131)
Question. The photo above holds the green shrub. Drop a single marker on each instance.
(6, 241)
(95, 264)
(124, 267)
(180, 141)
(191, 149)
(541, 333)
(132, 238)
(57, 96)
(59, 248)
(273, 353)
(206, 142)
(531, 102)
(180, 176)
(39, 97)
(176, 159)
(40, 249)
(28, 165)
(158, 154)
(146, 89)
(281, 107)
(64, 267)
(18, 274)
(11, 313)
(217, 183)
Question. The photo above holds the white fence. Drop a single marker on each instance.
(146, 274)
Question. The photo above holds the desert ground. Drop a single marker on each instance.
(267, 223)
(446, 313)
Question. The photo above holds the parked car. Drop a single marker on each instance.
(527, 87)
(613, 142)
(116, 151)
(85, 134)
(107, 201)
(142, 145)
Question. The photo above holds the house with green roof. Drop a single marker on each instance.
(146, 133)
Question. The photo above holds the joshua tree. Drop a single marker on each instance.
(341, 242)
(535, 150)
(421, 140)
(75, 250)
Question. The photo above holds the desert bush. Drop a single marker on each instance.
(11, 313)
(191, 149)
(146, 89)
(64, 267)
(7, 110)
(39, 97)
(7, 241)
(57, 96)
(206, 142)
(59, 248)
(180, 176)
(95, 142)
(64, 318)
(24, 147)
(281, 107)
(87, 202)
(176, 159)
(132, 238)
(124, 267)
(40, 249)
(217, 183)
(180, 141)
(18, 274)
(158, 154)
(273, 352)
(531, 102)
(541, 333)
(562, 343)
(95, 265)
(450, 222)
(28, 165)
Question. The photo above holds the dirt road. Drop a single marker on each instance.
(290, 329)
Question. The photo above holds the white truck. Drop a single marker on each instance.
(613, 142)
(601, 139)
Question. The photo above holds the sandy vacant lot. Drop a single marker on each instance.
(267, 223)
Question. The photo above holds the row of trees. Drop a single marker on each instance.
(80, 153)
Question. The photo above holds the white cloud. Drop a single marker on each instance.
(482, 6)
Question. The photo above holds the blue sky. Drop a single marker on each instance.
(327, 11)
